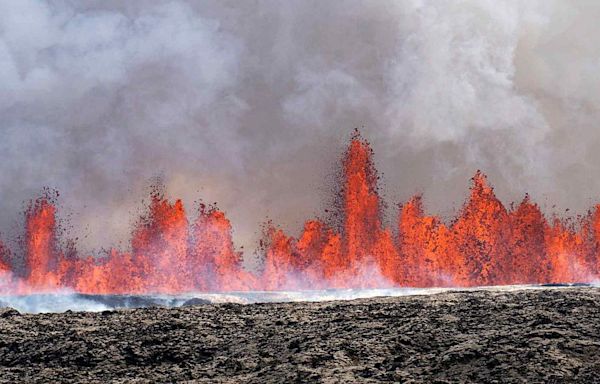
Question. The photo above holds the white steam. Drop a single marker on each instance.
(63, 301)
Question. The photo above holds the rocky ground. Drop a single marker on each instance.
(545, 336)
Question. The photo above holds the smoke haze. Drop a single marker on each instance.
(248, 104)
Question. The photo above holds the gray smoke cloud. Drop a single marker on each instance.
(249, 104)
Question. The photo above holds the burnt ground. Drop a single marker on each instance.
(545, 336)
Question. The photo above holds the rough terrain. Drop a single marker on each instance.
(533, 336)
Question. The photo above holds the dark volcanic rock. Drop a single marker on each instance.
(527, 336)
(8, 312)
(195, 301)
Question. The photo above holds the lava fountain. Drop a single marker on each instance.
(486, 244)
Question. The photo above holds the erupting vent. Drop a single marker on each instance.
(485, 245)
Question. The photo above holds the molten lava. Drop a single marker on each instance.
(486, 244)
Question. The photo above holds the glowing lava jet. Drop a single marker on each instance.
(486, 244)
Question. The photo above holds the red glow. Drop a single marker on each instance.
(486, 244)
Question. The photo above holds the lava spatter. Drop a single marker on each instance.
(486, 244)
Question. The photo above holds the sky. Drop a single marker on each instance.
(250, 104)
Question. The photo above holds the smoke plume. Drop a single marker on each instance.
(248, 103)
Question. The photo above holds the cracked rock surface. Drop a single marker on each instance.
(527, 336)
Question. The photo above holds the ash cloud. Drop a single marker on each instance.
(249, 104)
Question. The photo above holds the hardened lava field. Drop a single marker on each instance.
(536, 336)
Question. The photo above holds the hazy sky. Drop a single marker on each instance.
(250, 104)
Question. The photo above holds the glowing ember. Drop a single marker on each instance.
(485, 245)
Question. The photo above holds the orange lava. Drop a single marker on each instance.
(486, 244)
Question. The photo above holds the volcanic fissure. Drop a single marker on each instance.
(485, 244)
